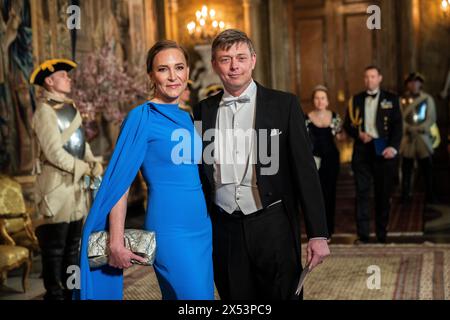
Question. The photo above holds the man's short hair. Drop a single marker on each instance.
(413, 76)
(373, 67)
(227, 38)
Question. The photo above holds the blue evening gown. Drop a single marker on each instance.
(159, 139)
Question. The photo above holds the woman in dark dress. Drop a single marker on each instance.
(324, 127)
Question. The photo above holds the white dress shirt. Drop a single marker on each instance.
(370, 114)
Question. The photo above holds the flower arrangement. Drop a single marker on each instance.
(103, 86)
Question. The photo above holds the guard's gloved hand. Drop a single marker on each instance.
(97, 169)
(81, 169)
(85, 168)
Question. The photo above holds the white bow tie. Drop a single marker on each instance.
(231, 100)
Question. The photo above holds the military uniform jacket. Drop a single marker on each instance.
(59, 192)
(417, 140)
(388, 118)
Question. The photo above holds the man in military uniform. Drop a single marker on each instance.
(374, 121)
(419, 115)
(63, 161)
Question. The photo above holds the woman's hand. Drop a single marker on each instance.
(340, 136)
(120, 257)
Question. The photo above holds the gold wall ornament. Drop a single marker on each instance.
(341, 96)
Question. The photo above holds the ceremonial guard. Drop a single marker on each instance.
(419, 139)
(374, 121)
(64, 164)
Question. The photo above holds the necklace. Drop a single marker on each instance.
(321, 114)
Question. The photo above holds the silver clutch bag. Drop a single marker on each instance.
(140, 242)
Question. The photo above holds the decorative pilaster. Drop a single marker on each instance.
(171, 13)
(279, 45)
(254, 25)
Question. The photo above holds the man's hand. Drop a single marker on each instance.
(366, 138)
(316, 251)
(389, 153)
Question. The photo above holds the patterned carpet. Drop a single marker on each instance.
(406, 272)
(140, 283)
(403, 218)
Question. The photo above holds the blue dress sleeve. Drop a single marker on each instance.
(106, 283)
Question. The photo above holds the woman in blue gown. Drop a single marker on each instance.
(159, 138)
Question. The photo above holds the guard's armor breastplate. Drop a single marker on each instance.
(76, 145)
(418, 115)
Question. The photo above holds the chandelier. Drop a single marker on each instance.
(445, 5)
(206, 25)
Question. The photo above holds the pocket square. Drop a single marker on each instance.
(275, 132)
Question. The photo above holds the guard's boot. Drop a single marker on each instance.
(52, 240)
(406, 190)
(407, 172)
(71, 255)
